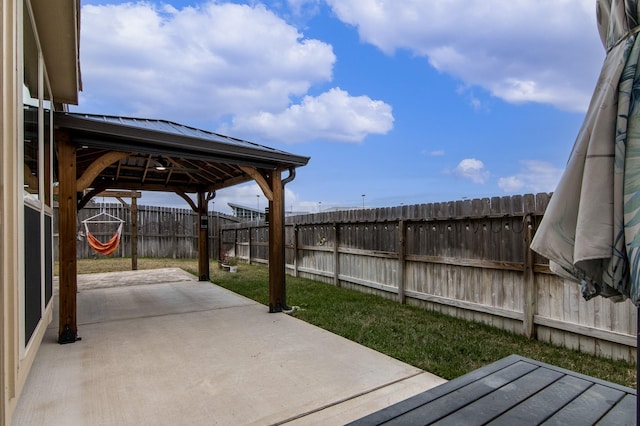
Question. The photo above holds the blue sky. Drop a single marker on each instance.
(406, 102)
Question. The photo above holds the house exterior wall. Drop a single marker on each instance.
(10, 207)
(26, 180)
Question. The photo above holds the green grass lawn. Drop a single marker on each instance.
(445, 346)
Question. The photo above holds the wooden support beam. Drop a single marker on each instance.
(97, 167)
(160, 187)
(120, 194)
(188, 200)
(88, 195)
(261, 180)
(277, 284)
(68, 329)
(133, 225)
(203, 237)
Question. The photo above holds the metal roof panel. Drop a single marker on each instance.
(172, 128)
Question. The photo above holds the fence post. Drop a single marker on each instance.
(134, 233)
(528, 280)
(401, 260)
(174, 225)
(336, 255)
(235, 241)
(218, 234)
(295, 250)
(249, 238)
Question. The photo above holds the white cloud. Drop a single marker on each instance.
(300, 7)
(435, 153)
(544, 51)
(213, 60)
(511, 184)
(334, 115)
(534, 176)
(211, 63)
(472, 169)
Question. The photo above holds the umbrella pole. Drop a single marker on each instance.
(637, 365)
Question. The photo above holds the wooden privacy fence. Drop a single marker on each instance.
(467, 258)
(162, 231)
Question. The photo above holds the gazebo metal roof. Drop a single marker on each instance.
(160, 155)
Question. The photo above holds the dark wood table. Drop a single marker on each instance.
(515, 391)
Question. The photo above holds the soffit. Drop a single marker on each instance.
(58, 26)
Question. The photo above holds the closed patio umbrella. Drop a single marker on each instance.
(590, 229)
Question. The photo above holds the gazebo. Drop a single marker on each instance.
(96, 153)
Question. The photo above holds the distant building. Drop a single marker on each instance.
(246, 213)
(339, 209)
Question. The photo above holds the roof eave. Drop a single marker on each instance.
(58, 26)
(147, 140)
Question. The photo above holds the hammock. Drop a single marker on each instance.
(98, 246)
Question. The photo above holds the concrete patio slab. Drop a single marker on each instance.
(159, 347)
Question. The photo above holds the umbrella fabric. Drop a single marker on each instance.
(590, 229)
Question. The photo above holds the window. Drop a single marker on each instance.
(48, 150)
(31, 99)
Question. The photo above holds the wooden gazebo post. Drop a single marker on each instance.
(133, 226)
(203, 235)
(272, 186)
(202, 210)
(68, 204)
(277, 285)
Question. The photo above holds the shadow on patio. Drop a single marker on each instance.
(159, 347)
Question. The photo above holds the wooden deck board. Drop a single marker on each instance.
(549, 400)
(619, 415)
(459, 399)
(503, 399)
(515, 390)
(424, 398)
(588, 407)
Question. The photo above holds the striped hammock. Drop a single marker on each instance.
(104, 248)
(97, 245)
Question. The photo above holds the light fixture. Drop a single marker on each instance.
(160, 165)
